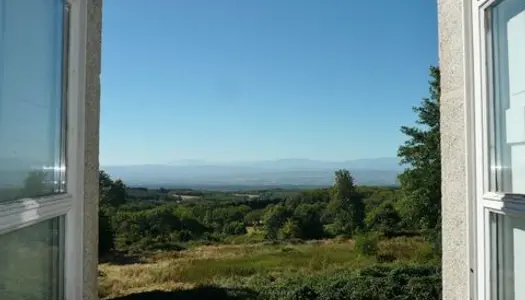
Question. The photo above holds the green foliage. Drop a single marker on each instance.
(346, 206)
(421, 181)
(383, 218)
(137, 225)
(274, 218)
(254, 217)
(308, 219)
(115, 195)
(398, 282)
(104, 181)
(160, 225)
(302, 220)
(367, 244)
(106, 232)
(235, 228)
(290, 230)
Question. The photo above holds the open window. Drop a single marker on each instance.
(41, 164)
(499, 58)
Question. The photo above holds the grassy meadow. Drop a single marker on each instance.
(246, 265)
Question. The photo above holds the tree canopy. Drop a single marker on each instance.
(421, 181)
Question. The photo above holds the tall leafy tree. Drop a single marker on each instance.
(346, 206)
(112, 193)
(274, 218)
(421, 181)
(104, 181)
(117, 194)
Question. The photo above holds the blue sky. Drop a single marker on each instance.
(238, 80)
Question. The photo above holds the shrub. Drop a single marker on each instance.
(385, 257)
(235, 228)
(379, 283)
(367, 244)
(383, 218)
(290, 230)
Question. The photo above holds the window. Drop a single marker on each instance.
(507, 237)
(506, 43)
(40, 121)
(31, 261)
(499, 118)
(31, 99)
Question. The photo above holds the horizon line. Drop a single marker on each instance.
(247, 161)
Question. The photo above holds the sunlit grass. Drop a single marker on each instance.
(235, 265)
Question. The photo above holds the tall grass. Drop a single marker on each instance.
(241, 265)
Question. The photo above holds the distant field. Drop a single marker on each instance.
(250, 196)
(217, 196)
(187, 197)
(242, 265)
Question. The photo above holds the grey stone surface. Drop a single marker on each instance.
(92, 110)
(453, 151)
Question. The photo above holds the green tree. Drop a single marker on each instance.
(383, 218)
(421, 181)
(274, 218)
(104, 181)
(346, 205)
(254, 217)
(235, 228)
(307, 217)
(112, 193)
(104, 185)
(290, 230)
(116, 194)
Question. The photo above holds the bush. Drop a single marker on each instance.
(379, 283)
(385, 257)
(235, 228)
(383, 218)
(367, 244)
(290, 230)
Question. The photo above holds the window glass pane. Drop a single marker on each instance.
(31, 41)
(507, 46)
(508, 263)
(31, 262)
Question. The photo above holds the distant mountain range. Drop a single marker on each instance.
(268, 173)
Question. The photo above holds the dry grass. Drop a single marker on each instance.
(236, 265)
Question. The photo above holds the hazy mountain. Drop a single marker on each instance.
(300, 172)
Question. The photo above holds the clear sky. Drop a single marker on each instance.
(237, 80)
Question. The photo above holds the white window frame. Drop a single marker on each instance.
(26, 212)
(481, 201)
